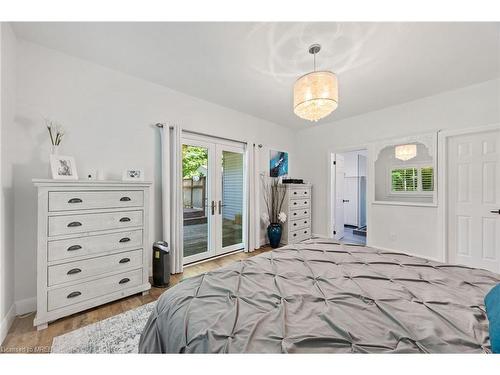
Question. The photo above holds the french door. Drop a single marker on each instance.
(214, 197)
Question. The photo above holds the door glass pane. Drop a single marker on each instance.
(232, 198)
(195, 199)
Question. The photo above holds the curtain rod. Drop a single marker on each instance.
(161, 125)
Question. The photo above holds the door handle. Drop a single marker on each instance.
(345, 200)
(220, 207)
(213, 207)
(495, 211)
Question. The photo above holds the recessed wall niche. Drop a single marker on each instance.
(406, 171)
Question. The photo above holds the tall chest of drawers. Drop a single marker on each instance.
(297, 206)
(93, 238)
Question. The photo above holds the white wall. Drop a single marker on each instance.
(108, 119)
(394, 227)
(8, 96)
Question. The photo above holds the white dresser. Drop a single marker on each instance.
(93, 239)
(297, 207)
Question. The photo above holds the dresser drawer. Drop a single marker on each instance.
(69, 224)
(299, 193)
(299, 213)
(81, 269)
(298, 235)
(85, 200)
(299, 224)
(299, 203)
(70, 295)
(93, 245)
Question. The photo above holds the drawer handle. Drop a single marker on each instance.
(124, 239)
(294, 203)
(74, 224)
(305, 212)
(295, 213)
(124, 260)
(124, 219)
(124, 280)
(305, 192)
(125, 199)
(305, 221)
(295, 234)
(305, 202)
(305, 232)
(74, 271)
(74, 294)
(74, 247)
(75, 200)
(294, 224)
(295, 192)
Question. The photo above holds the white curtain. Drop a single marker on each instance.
(253, 203)
(171, 193)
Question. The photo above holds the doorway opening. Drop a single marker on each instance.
(213, 197)
(348, 196)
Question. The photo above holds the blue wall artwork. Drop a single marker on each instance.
(278, 163)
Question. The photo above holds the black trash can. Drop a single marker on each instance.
(161, 264)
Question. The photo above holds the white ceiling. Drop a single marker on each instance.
(251, 67)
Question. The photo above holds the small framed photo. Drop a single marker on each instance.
(133, 174)
(63, 167)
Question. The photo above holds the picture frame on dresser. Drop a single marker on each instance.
(92, 245)
(63, 167)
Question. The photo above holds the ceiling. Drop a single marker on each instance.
(251, 67)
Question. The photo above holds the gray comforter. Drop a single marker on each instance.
(319, 296)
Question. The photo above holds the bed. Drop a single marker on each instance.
(320, 296)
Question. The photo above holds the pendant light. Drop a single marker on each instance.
(315, 95)
(405, 152)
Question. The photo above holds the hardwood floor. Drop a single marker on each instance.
(24, 338)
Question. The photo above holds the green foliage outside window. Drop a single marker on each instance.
(192, 159)
(407, 179)
(404, 179)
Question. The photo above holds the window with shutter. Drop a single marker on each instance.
(412, 179)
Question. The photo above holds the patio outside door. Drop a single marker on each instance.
(213, 197)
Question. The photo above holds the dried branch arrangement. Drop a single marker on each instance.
(274, 196)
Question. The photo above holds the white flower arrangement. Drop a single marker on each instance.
(282, 217)
(56, 132)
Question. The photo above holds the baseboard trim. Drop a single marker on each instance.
(407, 253)
(25, 306)
(7, 322)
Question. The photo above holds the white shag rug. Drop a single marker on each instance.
(116, 335)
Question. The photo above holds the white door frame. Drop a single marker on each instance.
(330, 203)
(443, 181)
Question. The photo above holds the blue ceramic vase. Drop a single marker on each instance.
(274, 232)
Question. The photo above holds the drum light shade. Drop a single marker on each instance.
(315, 95)
(405, 152)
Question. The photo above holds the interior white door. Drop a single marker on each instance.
(473, 182)
(338, 222)
(351, 201)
